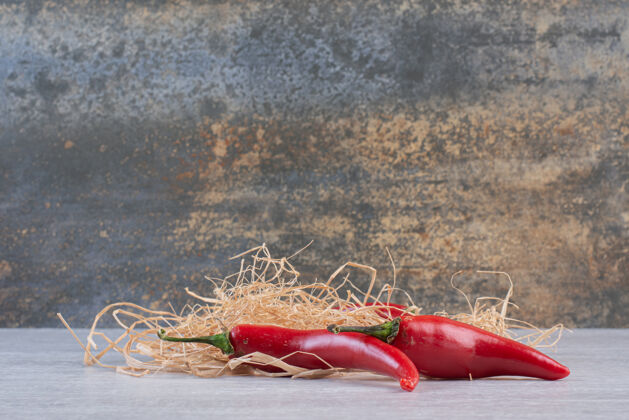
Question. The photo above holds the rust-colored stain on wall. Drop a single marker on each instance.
(143, 145)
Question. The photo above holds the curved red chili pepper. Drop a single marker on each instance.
(444, 348)
(349, 351)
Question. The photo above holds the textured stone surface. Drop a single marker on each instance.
(145, 142)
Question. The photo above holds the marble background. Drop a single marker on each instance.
(144, 142)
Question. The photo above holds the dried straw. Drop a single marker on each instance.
(493, 317)
(265, 290)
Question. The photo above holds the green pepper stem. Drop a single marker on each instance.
(218, 340)
(385, 332)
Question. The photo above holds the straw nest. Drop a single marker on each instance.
(267, 290)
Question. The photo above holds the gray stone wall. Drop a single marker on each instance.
(143, 143)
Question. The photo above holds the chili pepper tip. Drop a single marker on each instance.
(409, 384)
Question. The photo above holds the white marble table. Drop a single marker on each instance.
(43, 377)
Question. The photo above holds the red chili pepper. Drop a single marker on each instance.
(444, 348)
(349, 351)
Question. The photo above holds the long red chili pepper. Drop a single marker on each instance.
(444, 348)
(349, 351)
